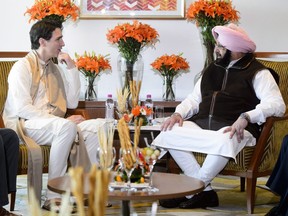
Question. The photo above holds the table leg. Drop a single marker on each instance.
(125, 208)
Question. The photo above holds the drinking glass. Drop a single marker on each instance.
(129, 161)
(150, 155)
(106, 158)
(159, 114)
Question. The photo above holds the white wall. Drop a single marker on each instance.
(264, 20)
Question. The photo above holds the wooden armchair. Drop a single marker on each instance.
(259, 161)
(7, 59)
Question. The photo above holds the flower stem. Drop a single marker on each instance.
(168, 94)
(90, 93)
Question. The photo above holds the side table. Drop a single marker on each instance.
(169, 185)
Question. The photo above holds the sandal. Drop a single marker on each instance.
(55, 206)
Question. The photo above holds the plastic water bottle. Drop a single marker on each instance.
(149, 104)
(109, 111)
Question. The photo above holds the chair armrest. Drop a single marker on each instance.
(82, 112)
(283, 118)
(263, 141)
(78, 111)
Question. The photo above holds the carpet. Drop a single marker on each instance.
(231, 201)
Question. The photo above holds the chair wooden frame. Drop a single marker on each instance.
(7, 56)
(272, 55)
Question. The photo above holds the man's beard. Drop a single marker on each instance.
(225, 60)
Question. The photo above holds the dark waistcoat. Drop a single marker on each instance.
(226, 93)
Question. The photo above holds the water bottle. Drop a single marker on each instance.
(109, 111)
(149, 104)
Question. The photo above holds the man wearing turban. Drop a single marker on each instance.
(223, 114)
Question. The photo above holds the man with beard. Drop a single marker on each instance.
(223, 114)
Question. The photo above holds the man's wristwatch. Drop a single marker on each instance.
(245, 116)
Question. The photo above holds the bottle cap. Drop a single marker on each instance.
(109, 96)
(148, 95)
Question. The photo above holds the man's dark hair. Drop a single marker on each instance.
(43, 29)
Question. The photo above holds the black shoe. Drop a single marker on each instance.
(201, 200)
(274, 212)
(172, 203)
(4, 212)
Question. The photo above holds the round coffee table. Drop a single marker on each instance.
(169, 185)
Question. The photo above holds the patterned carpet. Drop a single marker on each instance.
(232, 201)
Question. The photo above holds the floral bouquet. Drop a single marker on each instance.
(208, 13)
(138, 113)
(91, 66)
(170, 66)
(53, 9)
(130, 40)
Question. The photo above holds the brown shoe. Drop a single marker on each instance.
(4, 212)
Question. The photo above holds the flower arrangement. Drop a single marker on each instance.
(170, 66)
(139, 112)
(131, 38)
(53, 9)
(212, 12)
(91, 66)
(208, 13)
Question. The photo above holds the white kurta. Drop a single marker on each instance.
(43, 127)
(19, 102)
(215, 142)
(190, 137)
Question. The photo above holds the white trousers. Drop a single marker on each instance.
(60, 133)
(183, 141)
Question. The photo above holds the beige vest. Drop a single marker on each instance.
(54, 82)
